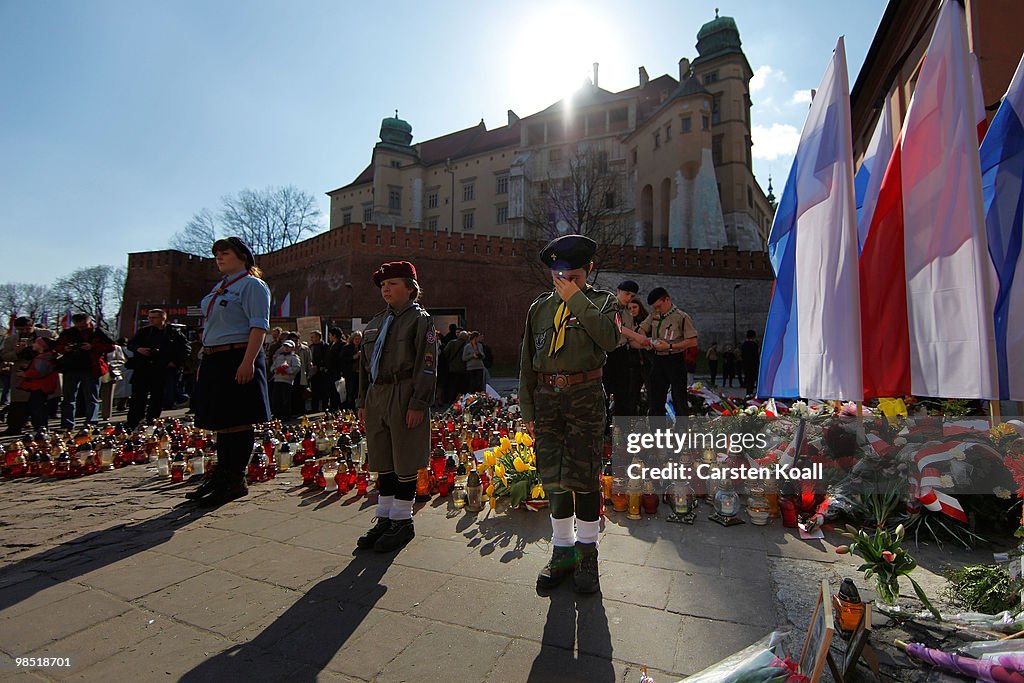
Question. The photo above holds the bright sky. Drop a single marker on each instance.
(119, 120)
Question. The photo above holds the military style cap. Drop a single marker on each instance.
(629, 286)
(656, 293)
(568, 252)
(392, 270)
(237, 245)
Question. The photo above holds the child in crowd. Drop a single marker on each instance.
(286, 366)
(41, 381)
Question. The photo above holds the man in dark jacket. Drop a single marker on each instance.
(83, 350)
(159, 350)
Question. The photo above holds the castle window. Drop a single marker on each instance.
(716, 149)
(432, 199)
(395, 163)
(704, 122)
(501, 184)
(468, 192)
(685, 124)
(609, 200)
(710, 77)
(668, 132)
(501, 216)
(346, 215)
(657, 140)
(750, 197)
(394, 199)
(432, 223)
(467, 221)
(555, 155)
(716, 109)
(367, 213)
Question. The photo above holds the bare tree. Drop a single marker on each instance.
(20, 298)
(268, 220)
(97, 290)
(584, 196)
(198, 235)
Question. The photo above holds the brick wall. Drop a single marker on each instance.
(487, 277)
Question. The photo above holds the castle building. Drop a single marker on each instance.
(674, 156)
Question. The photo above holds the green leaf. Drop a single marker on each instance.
(518, 492)
(924, 598)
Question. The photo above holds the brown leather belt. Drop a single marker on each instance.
(207, 350)
(668, 353)
(561, 380)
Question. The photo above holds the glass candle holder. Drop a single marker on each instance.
(331, 476)
(633, 503)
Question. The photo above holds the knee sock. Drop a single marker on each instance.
(234, 450)
(405, 492)
(588, 510)
(387, 482)
(563, 534)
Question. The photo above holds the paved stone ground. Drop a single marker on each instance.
(114, 572)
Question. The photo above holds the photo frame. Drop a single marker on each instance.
(819, 636)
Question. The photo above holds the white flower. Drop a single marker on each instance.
(799, 408)
(899, 442)
(946, 480)
(751, 410)
(1001, 493)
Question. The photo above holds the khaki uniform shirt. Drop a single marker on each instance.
(672, 326)
(589, 335)
(409, 354)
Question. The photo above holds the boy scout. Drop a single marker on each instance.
(396, 389)
(669, 332)
(568, 334)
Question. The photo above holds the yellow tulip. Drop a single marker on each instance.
(490, 490)
(527, 440)
(520, 465)
(499, 471)
(481, 469)
(489, 458)
(519, 438)
(506, 445)
(493, 502)
(537, 492)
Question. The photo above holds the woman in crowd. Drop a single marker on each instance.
(639, 358)
(232, 382)
(473, 357)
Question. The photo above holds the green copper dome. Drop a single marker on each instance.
(718, 37)
(395, 131)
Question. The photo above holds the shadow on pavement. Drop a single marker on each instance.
(310, 633)
(94, 550)
(574, 623)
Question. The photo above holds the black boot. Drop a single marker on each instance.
(586, 576)
(379, 528)
(231, 487)
(562, 563)
(207, 485)
(399, 532)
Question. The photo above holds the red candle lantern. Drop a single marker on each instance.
(178, 469)
(341, 479)
(320, 479)
(788, 508)
(309, 445)
(362, 481)
(437, 462)
(309, 469)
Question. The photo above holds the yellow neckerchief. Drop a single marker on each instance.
(561, 321)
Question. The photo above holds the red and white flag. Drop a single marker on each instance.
(927, 284)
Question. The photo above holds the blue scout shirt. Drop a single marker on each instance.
(243, 305)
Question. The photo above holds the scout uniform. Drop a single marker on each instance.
(397, 373)
(669, 367)
(238, 304)
(565, 345)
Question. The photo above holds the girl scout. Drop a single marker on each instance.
(231, 391)
(396, 389)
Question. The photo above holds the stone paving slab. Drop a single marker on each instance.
(271, 588)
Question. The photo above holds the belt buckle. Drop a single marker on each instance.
(560, 381)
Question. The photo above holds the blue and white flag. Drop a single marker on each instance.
(868, 180)
(1002, 171)
(812, 341)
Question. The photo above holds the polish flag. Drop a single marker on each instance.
(926, 282)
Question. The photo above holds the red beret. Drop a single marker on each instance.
(392, 270)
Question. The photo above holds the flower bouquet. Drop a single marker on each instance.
(511, 468)
(886, 560)
(762, 662)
